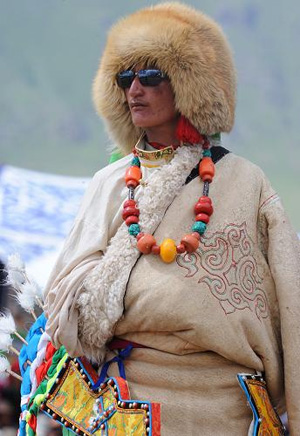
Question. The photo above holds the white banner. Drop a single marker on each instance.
(36, 213)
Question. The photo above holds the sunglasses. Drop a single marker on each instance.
(150, 77)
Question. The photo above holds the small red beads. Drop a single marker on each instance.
(202, 217)
(180, 248)
(155, 249)
(128, 211)
(129, 203)
(132, 220)
(203, 206)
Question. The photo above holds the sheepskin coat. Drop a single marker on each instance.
(232, 306)
(184, 43)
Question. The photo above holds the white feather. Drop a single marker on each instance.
(5, 342)
(15, 271)
(4, 365)
(26, 300)
(28, 292)
(15, 278)
(31, 288)
(15, 262)
(7, 323)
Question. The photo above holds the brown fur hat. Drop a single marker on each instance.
(188, 46)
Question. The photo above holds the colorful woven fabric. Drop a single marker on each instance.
(28, 353)
(58, 360)
(75, 401)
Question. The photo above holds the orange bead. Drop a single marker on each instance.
(196, 235)
(190, 242)
(140, 235)
(133, 176)
(145, 243)
(206, 169)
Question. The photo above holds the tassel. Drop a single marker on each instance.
(5, 368)
(28, 292)
(6, 345)
(7, 325)
(187, 133)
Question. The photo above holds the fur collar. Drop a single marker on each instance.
(101, 302)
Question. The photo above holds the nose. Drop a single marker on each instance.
(136, 88)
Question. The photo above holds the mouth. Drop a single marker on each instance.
(137, 105)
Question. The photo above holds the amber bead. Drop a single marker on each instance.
(190, 242)
(128, 211)
(133, 176)
(129, 203)
(180, 248)
(206, 169)
(202, 217)
(203, 208)
(168, 250)
(155, 249)
(145, 243)
(131, 220)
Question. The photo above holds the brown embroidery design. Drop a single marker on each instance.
(225, 263)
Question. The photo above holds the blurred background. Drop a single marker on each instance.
(52, 142)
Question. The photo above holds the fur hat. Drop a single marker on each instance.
(190, 48)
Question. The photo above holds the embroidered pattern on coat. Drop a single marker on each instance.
(225, 263)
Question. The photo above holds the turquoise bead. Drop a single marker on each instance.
(206, 153)
(199, 227)
(136, 162)
(134, 229)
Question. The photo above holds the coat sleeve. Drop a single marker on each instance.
(283, 253)
(97, 221)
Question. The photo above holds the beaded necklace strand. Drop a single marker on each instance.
(203, 209)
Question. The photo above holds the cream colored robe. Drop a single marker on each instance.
(234, 306)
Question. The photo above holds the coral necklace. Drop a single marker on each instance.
(203, 209)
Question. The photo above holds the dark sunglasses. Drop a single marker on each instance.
(150, 77)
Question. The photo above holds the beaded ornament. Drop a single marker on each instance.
(167, 250)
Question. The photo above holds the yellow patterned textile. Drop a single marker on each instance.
(106, 411)
(266, 419)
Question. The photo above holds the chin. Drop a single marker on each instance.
(141, 123)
